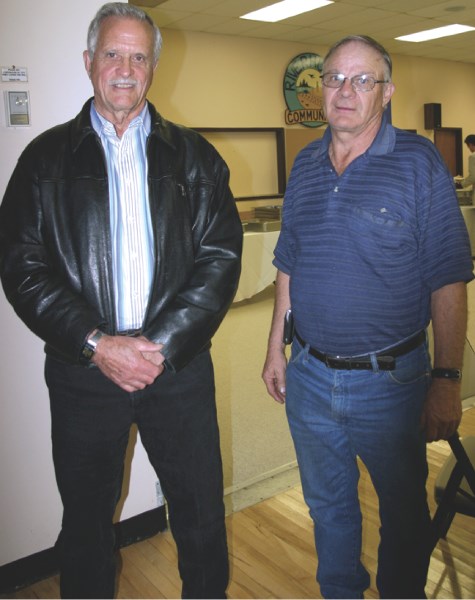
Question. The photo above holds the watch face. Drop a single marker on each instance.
(87, 352)
(90, 346)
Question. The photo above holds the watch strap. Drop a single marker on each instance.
(90, 346)
(455, 374)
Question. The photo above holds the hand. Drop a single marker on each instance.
(273, 374)
(155, 357)
(442, 410)
(131, 363)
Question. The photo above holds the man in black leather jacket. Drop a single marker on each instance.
(120, 247)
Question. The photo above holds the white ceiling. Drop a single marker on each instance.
(381, 19)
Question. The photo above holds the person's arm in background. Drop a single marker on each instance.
(470, 179)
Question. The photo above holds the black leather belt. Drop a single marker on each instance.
(385, 360)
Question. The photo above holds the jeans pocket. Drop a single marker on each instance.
(412, 367)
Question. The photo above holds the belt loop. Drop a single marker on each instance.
(305, 347)
(374, 361)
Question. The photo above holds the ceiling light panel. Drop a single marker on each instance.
(285, 9)
(438, 32)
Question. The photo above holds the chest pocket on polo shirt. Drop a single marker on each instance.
(380, 231)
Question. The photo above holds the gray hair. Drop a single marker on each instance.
(368, 41)
(123, 10)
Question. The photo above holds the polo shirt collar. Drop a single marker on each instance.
(383, 143)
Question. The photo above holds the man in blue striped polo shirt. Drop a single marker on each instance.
(373, 246)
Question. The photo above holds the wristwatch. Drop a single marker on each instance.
(454, 374)
(90, 345)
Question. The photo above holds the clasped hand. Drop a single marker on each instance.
(131, 363)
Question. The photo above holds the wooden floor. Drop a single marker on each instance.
(272, 551)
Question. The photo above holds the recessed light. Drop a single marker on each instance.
(438, 32)
(284, 10)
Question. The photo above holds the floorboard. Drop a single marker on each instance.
(272, 549)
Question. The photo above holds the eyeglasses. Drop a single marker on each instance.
(360, 83)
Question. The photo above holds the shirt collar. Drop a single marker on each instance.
(383, 143)
(102, 125)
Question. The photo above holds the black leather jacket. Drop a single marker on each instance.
(55, 245)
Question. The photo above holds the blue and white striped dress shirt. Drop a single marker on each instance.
(131, 227)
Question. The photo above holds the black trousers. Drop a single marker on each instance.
(176, 418)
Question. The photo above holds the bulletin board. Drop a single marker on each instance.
(255, 157)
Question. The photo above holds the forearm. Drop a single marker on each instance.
(443, 408)
(449, 324)
(281, 305)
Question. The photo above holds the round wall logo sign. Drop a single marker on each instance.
(303, 91)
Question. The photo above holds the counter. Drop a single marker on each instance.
(258, 272)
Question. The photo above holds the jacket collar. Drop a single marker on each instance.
(82, 127)
(160, 126)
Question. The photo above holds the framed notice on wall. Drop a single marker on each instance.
(17, 108)
(255, 157)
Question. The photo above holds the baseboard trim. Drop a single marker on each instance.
(38, 566)
(259, 478)
(259, 489)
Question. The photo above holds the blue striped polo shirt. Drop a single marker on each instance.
(365, 249)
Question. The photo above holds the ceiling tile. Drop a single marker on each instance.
(166, 18)
(403, 5)
(382, 19)
(326, 13)
(443, 10)
(191, 5)
(268, 30)
(199, 22)
(234, 27)
(237, 8)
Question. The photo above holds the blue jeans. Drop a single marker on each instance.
(337, 415)
(176, 418)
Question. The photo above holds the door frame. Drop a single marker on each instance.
(457, 134)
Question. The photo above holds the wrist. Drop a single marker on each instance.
(90, 346)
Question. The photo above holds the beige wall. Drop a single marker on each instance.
(420, 81)
(209, 80)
